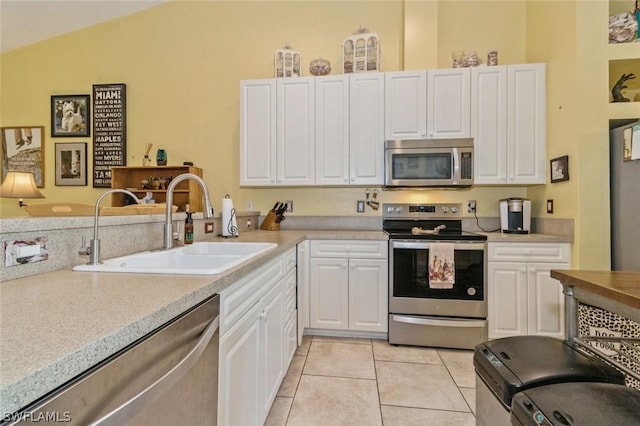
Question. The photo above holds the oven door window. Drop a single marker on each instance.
(422, 166)
(411, 275)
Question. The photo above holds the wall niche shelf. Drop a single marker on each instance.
(187, 192)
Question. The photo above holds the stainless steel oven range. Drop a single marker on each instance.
(437, 277)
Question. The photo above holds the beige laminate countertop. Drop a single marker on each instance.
(498, 237)
(56, 325)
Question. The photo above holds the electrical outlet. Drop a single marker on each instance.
(360, 206)
(249, 224)
(471, 206)
(289, 204)
(208, 227)
(550, 206)
(250, 205)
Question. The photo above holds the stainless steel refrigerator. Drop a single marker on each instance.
(625, 200)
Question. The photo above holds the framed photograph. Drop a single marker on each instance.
(70, 115)
(71, 164)
(23, 150)
(560, 169)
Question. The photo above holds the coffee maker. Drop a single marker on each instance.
(515, 215)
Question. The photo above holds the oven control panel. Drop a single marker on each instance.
(422, 211)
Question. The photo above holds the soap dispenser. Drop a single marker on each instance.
(188, 227)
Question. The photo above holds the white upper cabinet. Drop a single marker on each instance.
(489, 123)
(448, 103)
(432, 104)
(405, 105)
(366, 129)
(349, 129)
(295, 131)
(258, 132)
(277, 141)
(508, 120)
(527, 123)
(332, 130)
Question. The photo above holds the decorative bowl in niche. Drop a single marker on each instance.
(320, 67)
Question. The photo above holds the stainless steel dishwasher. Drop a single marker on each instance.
(169, 377)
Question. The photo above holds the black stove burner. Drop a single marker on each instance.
(401, 229)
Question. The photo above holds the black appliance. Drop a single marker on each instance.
(510, 365)
(585, 404)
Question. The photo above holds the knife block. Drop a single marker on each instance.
(269, 223)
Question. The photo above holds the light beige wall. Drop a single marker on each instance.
(551, 38)
(481, 26)
(593, 127)
(182, 63)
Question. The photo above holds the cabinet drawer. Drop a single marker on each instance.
(537, 252)
(349, 248)
(237, 299)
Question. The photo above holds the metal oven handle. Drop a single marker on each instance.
(422, 244)
(439, 322)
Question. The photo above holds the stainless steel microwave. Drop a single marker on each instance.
(428, 163)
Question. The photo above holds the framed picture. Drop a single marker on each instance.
(71, 164)
(560, 169)
(23, 150)
(70, 115)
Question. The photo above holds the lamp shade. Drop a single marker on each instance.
(19, 185)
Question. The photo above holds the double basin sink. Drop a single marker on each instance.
(202, 258)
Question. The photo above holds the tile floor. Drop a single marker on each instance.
(344, 381)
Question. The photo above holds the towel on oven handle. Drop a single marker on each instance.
(442, 271)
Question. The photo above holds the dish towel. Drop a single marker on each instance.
(442, 271)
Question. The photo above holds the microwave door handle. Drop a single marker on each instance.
(456, 166)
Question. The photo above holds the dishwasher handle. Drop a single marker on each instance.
(160, 386)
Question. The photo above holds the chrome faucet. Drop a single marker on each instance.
(94, 248)
(168, 226)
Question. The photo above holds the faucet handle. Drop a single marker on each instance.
(84, 250)
(177, 234)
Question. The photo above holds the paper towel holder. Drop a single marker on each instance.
(230, 226)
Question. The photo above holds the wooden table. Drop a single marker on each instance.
(613, 291)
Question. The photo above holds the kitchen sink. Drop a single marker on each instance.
(202, 258)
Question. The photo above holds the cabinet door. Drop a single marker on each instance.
(290, 342)
(329, 294)
(526, 128)
(272, 346)
(405, 103)
(303, 288)
(295, 131)
(489, 124)
(545, 300)
(449, 103)
(366, 128)
(332, 130)
(507, 299)
(368, 292)
(258, 132)
(240, 380)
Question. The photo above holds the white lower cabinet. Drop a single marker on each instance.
(256, 337)
(348, 285)
(522, 297)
